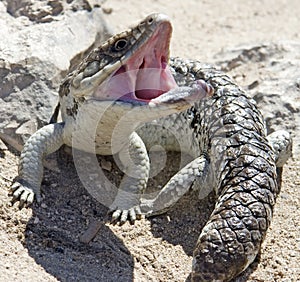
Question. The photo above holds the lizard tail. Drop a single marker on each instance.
(247, 190)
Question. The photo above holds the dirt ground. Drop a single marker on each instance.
(42, 243)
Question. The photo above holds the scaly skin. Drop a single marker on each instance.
(238, 162)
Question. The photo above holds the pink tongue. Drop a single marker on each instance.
(148, 83)
(153, 82)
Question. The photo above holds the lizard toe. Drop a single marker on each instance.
(124, 216)
(115, 215)
(138, 212)
(15, 186)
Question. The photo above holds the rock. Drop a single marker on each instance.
(278, 90)
(107, 165)
(3, 147)
(39, 39)
(91, 232)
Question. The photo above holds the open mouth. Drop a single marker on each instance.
(145, 75)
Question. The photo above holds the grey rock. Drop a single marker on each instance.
(278, 90)
(40, 41)
(3, 147)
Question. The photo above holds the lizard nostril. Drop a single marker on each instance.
(150, 20)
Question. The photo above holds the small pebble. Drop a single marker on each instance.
(106, 165)
(107, 10)
(253, 84)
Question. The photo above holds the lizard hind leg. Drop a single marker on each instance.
(281, 143)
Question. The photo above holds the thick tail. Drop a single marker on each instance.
(233, 235)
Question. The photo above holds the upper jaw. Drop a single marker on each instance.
(144, 75)
(139, 74)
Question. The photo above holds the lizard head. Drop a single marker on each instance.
(131, 69)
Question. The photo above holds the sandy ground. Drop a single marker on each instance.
(42, 243)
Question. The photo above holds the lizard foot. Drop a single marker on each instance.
(122, 215)
(24, 194)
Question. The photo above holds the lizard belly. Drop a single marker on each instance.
(88, 130)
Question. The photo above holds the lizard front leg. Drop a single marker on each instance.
(43, 142)
(135, 160)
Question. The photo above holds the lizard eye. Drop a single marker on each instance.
(120, 44)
